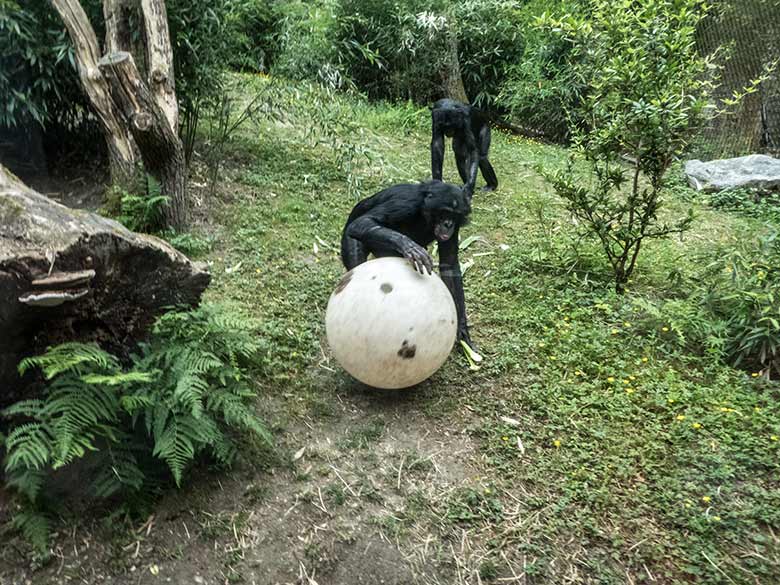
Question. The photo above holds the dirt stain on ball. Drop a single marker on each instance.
(407, 351)
(386, 287)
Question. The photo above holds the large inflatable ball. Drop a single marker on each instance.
(390, 326)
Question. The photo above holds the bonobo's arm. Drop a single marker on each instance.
(437, 148)
(375, 236)
(449, 270)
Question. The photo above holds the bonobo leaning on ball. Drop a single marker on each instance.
(468, 127)
(401, 221)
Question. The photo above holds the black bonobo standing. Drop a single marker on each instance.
(468, 127)
(401, 221)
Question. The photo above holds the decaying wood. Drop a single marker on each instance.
(69, 275)
(159, 58)
(453, 80)
(160, 146)
(116, 15)
(120, 145)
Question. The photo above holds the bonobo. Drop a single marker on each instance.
(470, 133)
(401, 221)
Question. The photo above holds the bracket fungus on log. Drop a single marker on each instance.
(71, 275)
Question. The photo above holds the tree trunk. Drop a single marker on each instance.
(159, 59)
(161, 149)
(453, 80)
(70, 275)
(121, 152)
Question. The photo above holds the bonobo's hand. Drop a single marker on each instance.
(419, 258)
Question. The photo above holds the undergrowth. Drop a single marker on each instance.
(185, 393)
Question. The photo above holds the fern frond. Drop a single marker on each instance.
(175, 447)
(34, 526)
(118, 379)
(28, 446)
(69, 357)
(27, 408)
(27, 481)
(119, 472)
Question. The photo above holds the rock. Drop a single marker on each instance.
(757, 171)
(71, 275)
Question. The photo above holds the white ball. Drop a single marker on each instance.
(390, 326)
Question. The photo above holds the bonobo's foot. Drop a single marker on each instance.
(488, 188)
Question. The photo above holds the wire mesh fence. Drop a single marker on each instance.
(744, 37)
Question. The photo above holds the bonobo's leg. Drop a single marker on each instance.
(461, 157)
(484, 164)
(437, 151)
(353, 252)
(449, 270)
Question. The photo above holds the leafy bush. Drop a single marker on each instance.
(491, 38)
(402, 50)
(731, 310)
(542, 87)
(184, 394)
(307, 48)
(746, 297)
(647, 93)
(253, 29)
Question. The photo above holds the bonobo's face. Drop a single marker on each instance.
(444, 226)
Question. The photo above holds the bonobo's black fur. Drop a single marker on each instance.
(401, 221)
(468, 127)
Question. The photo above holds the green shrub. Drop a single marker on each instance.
(184, 394)
(38, 79)
(647, 93)
(542, 87)
(253, 29)
(731, 310)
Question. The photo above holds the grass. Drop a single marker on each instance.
(593, 446)
(627, 459)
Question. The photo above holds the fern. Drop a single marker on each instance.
(182, 396)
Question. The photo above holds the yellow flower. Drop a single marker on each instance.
(577, 373)
(705, 499)
(632, 377)
(696, 425)
(504, 438)
(630, 390)
(664, 329)
(680, 417)
(615, 332)
(773, 438)
(757, 408)
(644, 359)
(687, 505)
(670, 400)
(626, 324)
(626, 382)
(557, 443)
(716, 518)
(565, 318)
(610, 379)
(553, 358)
(487, 491)
(754, 374)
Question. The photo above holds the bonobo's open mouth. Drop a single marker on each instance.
(442, 233)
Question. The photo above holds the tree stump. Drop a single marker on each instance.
(71, 275)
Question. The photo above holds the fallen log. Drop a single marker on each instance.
(71, 275)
